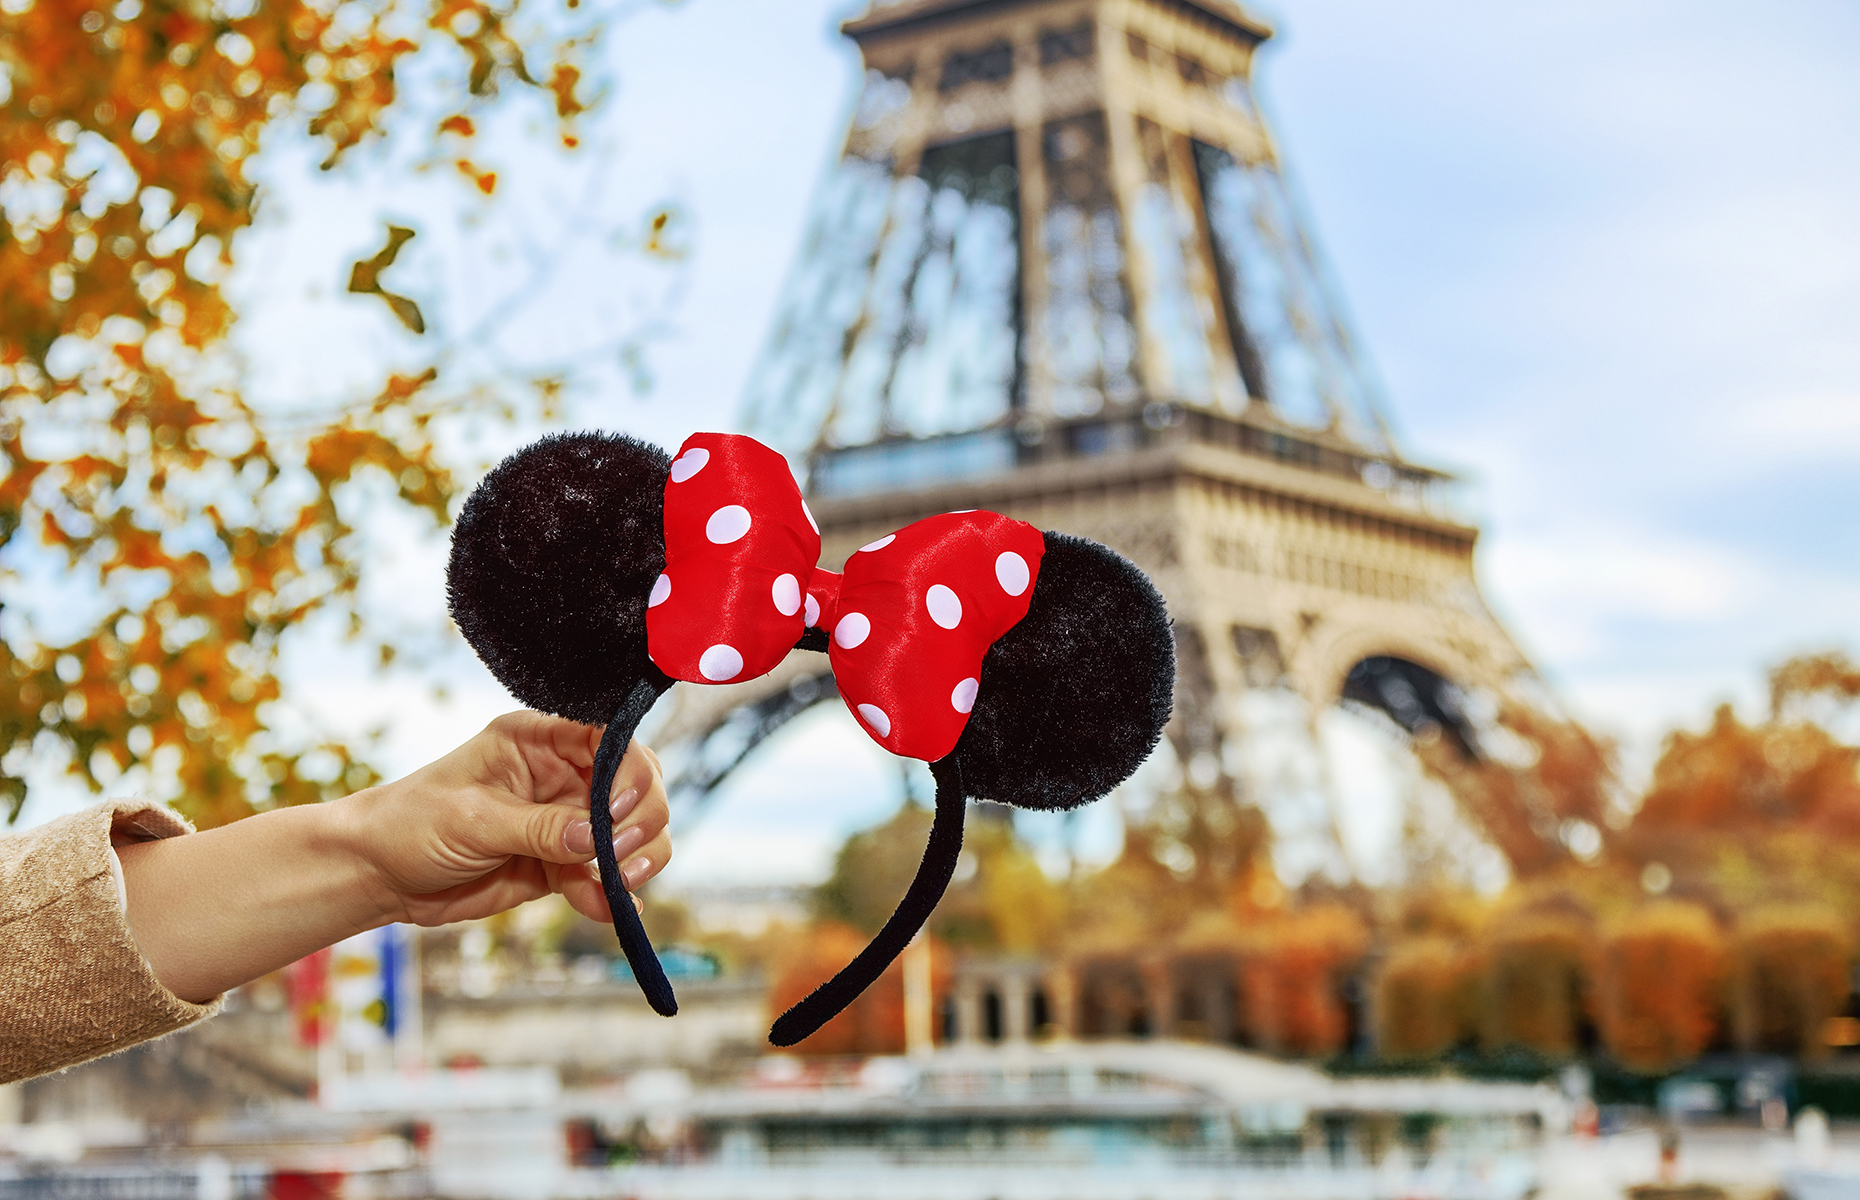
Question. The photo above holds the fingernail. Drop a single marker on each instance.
(635, 872)
(639, 906)
(630, 838)
(579, 837)
(623, 803)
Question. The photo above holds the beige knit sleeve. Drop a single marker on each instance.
(73, 986)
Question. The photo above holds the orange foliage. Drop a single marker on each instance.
(1662, 967)
(1737, 779)
(1424, 998)
(1537, 971)
(484, 181)
(872, 1024)
(1438, 911)
(562, 82)
(1573, 952)
(1291, 984)
(125, 134)
(1832, 674)
(1793, 973)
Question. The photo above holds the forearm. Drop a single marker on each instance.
(499, 821)
(220, 908)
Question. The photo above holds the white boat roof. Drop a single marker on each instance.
(1098, 1076)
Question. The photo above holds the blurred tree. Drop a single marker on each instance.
(1425, 998)
(1662, 967)
(1132, 903)
(1610, 939)
(128, 460)
(1831, 675)
(872, 869)
(1000, 901)
(1211, 842)
(871, 1024)
(1182, 858)
(1735, 780)
(1535, 990)
(1292, 980)
(1793, 972)
(668, 920)
(1438, 910)
(1006, 904)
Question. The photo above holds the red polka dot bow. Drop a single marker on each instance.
(909, 620)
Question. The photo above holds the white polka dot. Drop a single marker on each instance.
(957, 512)
(876, 718)
(661, 591)
(853, 629)
(1011, 570)
(813, 612)
(720, 663)
(689, 463)
(729, 523)
(809, 514)
(787, 595)
(944, 605)
(880, 544)
(963, 698)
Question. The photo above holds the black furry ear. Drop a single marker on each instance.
(1075, 696)
(552, 560)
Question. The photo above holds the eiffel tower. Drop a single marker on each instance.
(1058, 273)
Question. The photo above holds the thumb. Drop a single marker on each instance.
(553, 833)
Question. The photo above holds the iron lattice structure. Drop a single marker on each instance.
(1058, 273)
(1049, 212)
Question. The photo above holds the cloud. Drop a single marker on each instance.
(1574, 585)
(1819, 428)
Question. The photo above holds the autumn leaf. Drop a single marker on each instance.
(164, 476)
(484, 181)
(1663, 966)
(1831, 674)
(562, 82)
(365, 279)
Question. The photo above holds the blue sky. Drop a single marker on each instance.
(1605, 257)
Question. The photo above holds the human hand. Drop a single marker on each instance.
(502, 820)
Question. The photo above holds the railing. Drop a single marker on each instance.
(134, 1183)
(904, 464)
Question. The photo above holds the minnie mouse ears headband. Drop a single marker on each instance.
(589, 572)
